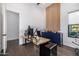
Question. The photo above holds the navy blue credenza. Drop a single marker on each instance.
(54, 37)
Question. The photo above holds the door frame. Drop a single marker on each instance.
(4, 23)
(4, 32)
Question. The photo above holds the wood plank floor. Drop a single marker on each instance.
(25, 50)
(30, 50)
(65, 51)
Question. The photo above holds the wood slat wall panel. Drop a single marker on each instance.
(53, 17)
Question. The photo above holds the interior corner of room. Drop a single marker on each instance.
(49, 18)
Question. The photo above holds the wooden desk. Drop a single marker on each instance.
(40, 41)
(49, 49)
(36, 41)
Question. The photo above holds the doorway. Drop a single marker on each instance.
(12, 28)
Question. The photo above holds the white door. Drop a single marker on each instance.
(4, 32)
(12, 25)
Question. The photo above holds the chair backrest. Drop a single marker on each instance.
(31, 32)
(38, 33)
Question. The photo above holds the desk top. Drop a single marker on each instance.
(41, 40)
(37, 41)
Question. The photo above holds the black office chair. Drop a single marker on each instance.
(29, 33)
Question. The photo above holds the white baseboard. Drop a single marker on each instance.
(12, 38)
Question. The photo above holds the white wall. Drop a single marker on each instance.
(65, 9)
(30, 14)
(73, 17)
(12, 25)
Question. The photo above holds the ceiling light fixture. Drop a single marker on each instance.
(38, 3)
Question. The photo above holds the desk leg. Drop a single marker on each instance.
(25, 41)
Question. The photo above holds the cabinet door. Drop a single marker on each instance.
(53, 17)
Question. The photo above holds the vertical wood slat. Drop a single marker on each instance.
(53, 17)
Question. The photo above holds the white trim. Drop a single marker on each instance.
(4, 38)
(12, 38)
